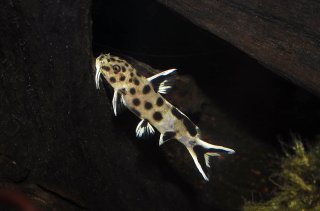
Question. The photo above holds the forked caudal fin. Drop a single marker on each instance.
(201, 153)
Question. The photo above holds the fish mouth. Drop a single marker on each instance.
(98, 69)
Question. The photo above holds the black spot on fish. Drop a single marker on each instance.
(136, 101)
(112, 59)
(130, 80)
(192, 142)
(138, 74)
(112, 79)
(159, 101)
(126, 64)
(122, 78)
(146, 89)
(107, 68)
(137, 113)
(169, 135)
(132, 91)
(123, 69)
(191, 128)
(136, 82)
(131, 74)
(148, 105)
(108, 60)
(177, 113)
(157, 116)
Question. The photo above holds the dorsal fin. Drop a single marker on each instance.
(162, 82)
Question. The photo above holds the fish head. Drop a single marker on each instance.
(114, 69)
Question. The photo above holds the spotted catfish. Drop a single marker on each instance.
(143, 97)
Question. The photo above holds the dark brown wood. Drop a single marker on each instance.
(60, 145)
(283, 35)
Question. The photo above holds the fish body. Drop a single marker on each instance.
(143, 97)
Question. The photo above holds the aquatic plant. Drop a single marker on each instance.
(298, 180)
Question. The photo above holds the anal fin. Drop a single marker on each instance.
(166, 137)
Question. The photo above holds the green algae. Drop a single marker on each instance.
(298, 181)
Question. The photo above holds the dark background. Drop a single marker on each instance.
(61, 148)
(267, 104)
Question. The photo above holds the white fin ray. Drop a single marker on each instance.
(162, 82)
(165, 86)
(123, 102)
(163, 74)
(168, 135)
(97, 78)
(195, 159)
(161, 140)
(207, 157)
(144, 129)
(118, 102)
(215, 147)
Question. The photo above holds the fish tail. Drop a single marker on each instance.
(202, 151)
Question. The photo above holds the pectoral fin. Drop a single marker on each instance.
(118, 102)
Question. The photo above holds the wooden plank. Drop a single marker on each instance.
(282, 35)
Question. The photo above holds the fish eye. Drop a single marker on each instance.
(116, 68)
